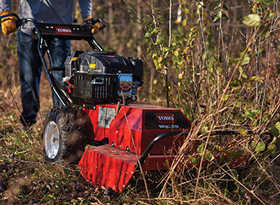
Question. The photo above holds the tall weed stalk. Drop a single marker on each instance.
(221, 83)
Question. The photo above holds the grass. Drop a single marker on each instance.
(29, 180)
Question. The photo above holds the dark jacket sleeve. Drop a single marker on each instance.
(86, 8)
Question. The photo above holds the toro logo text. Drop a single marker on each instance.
(165, 118)
(63, 30)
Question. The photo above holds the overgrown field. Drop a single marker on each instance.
(217, 60)
(26, 179)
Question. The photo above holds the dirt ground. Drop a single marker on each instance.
(24, 176)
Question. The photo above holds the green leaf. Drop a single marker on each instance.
(260, 50)
(184, 23)
(159, 41)
(251, 114)
(271, 15)
(219, 14)
(147, 36)
(180, 76)
(200, 148)
(194, 160)
(273, 141)
(277, 125)
(204, 128)
(267, 2)
(274, 131)
(260, 147)
(218, 6)
(271, 149)
(215, 19)
(49, 197)
(166, 49)
(245, 60)
(240, 70)
(176, 53)
(252, 20)
(236, 83)
(160, 59)
(225, 7)
(57, 192)
(256, 78)
(243, 132)
(244, 75)
(59, 183)
(225, 17)
(225, 98)
(209, 156)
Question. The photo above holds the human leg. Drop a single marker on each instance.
(30, 73)
(59, 50)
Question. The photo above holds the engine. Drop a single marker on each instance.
(95, 77)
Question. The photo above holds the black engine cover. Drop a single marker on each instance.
(107, 62)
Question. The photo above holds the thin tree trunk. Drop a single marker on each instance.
(139, 29)
(110, 19)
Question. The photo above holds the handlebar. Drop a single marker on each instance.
(64, 31)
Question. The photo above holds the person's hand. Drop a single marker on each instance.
(8, 24)
(96, 27)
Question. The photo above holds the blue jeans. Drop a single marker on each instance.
(30, 67)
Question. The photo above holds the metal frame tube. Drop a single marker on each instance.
(165, 134)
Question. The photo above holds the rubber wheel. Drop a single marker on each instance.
(65, 134)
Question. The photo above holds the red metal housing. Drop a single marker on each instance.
(130, 129)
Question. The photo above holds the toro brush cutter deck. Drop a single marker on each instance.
(100, 108)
